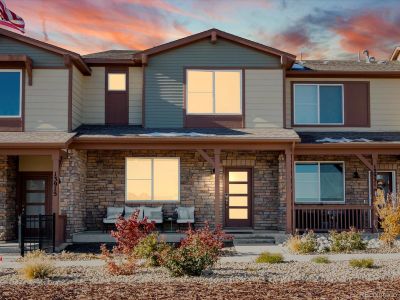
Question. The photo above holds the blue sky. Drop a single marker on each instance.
(334, 29)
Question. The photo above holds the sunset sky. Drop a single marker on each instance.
(317, 28)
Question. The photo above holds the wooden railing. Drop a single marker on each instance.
(323, 218)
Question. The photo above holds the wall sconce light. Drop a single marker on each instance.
(356, 175)
(213, 171)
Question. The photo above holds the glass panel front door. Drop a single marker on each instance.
(238, 198)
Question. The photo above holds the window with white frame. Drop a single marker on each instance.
(11, 93)
(214, 92)
(152, 179)
(319, 182)
(318, 104)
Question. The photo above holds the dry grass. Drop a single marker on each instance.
(365, 263)
(321, 260)
(37, 268)
(269, 258)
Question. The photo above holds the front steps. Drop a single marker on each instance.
(251, 237)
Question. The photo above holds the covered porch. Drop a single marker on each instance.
(368, 162)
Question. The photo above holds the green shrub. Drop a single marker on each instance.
(306, 243)
(150, 248)
(347, 241)
(365, 263)
(269, 258)
(321, 260)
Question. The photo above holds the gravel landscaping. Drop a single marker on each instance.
(222, 273)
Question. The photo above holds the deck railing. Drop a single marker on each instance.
(322, 218)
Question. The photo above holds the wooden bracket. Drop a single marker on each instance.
(206, 157)
(366, 162)
(144, 59)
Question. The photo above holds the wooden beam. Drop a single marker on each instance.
(217, 202)
(206, 157)
(144, 59)
(365, 161)
(374, 219)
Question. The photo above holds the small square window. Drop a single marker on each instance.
(117, 82)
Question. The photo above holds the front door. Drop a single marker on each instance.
(36, 193)
(238, 197)
(384, 182)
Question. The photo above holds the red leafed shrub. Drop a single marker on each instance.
(198, 251)
(121, 260)
(130, 232)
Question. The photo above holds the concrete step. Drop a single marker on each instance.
(252, 241)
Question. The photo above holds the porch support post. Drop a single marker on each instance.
(374, 219)
(206, 157)
(365, 162)
(289, 194)
(217, 169)
(55, 206)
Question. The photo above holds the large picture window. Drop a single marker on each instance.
(318, 104)
(319, 182)
(10, 99)
(214, 92)
(152, 179)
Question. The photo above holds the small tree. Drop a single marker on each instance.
(388, 211)
(121, 259)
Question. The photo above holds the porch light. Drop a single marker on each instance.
(356, 175)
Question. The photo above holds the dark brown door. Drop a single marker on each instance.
(117, 96)
(238, 197)
(36, 193)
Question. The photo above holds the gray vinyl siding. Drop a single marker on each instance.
(40, 57)
(94, 97)
(46, 101)
(77, 98)
(165, 72)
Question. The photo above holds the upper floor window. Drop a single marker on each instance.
(152, 179)
(117, 82)
(11, 93)
(318, 104)
(319, 182)
(214, 92)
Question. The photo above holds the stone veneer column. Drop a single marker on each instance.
(282, 192)
(8, 190)
(72, 191)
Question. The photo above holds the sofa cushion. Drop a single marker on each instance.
(109, 221)
(185, 213)
(114, 212)
(129, 210)
(148, 210)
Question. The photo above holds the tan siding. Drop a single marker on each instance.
(94, 97)
(384, 102)
(135, 95)
(77, 98)
(46, 101)
(263, 96)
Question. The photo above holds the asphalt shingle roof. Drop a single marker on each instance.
(349, 65)
(112, 54)
(121, 132)
(348, 137)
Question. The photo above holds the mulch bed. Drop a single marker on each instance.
(238, 290)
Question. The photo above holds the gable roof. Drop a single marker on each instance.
(111, 57)
(75, 57)
(287, 59)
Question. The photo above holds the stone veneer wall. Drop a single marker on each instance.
(8, 191)
(105, 184)
(72, 191)
(357, 189)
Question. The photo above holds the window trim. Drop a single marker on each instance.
(240, 71)
(20, 93)
(318, 104)
(152, 180)
(319, 162)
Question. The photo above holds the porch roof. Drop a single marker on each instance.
(103, 132)
(349, 137)
(35, 139)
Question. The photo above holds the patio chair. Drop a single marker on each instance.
(129, 211)
(113, 213)
(185, 215)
